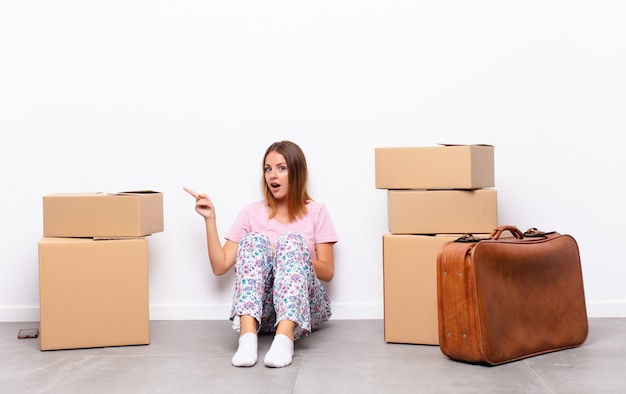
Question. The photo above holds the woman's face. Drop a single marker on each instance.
(277, 175)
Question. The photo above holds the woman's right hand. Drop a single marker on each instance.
(204, 205)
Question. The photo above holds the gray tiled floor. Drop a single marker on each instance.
(344, 356)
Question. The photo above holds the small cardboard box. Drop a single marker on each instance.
(442, 211)
(410, 287)
(435, 167)
(126, 214)
(93, 293)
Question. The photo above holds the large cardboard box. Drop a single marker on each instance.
(126, 214)
(442, 211)
(410, 287)
(93, 293)
(435, 167)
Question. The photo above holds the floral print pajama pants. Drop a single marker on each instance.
(279, 283)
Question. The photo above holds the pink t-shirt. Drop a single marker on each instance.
(316, 227)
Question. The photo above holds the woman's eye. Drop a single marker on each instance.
(279, 168)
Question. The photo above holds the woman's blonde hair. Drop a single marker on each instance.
(297, 196)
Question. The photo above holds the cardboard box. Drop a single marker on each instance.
(442, 211)
(127, 214)
(93, 293)
(436, 167)
(410, 287)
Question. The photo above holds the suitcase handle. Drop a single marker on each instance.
(495, 234)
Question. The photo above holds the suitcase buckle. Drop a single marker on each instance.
(535, 233)
(467, 237)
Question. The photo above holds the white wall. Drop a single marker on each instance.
(121, 95)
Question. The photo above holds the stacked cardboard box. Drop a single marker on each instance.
(434, 195)
(93, 268)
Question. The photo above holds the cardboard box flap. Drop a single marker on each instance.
(98, 194)
(444, 144)
(137, 192)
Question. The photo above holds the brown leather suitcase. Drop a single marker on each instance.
(503, 299)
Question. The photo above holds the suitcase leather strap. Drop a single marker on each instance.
(517, 234)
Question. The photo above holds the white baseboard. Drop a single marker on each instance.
(606, 309)
(19, 314)
(220, 312)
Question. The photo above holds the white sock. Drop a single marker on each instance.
(246, 354)
(280, 353)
